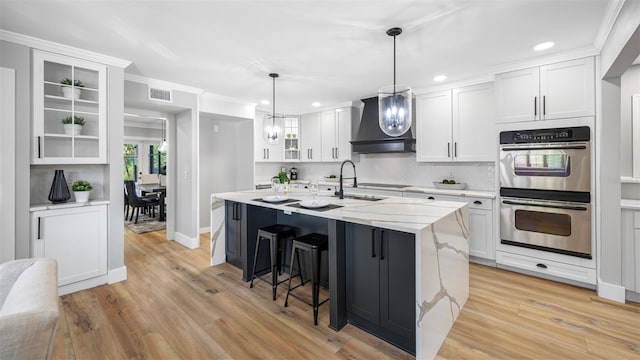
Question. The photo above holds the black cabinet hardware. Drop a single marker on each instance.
(478, 202)
(544, 105)
(373, 243)
(39, 237)
(381, 244)
(535, 106)
(541, 266)
(431, 198)
(448, 149)
(39, 152)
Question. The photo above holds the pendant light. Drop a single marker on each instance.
(394, 102)
(163, 147)
(272, 131)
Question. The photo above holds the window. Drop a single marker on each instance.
(130, 156)
(157, 161)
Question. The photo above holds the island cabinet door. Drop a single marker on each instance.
(234, 233)
(363, 272)
(397, 284)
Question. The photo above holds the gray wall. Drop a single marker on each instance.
(114, 177)
(18, 57)
(629, 85)
(186, 185)
(226, 158)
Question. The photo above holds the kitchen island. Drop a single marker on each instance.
(437, 232)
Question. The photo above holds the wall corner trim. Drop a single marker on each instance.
(611, 291)
(184, 240)
(62, 49)
(117, 275)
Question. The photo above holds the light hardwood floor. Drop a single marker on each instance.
(173, 305)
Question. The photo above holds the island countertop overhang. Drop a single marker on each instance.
(394, 213)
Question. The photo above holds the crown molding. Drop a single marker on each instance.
(586, 51)
(161, 84)
(210, 95)
(610, 16)
(456, 84)
(58, 48)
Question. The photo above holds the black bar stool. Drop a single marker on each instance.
(313, 244)
(274, 234)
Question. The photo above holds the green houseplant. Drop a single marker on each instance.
(73, 125)
(280, 182)
(81, 190)
(72, 89)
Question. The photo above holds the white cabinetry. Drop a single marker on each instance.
(67, 89)
(456, 125)
(480, 210)
(631, 249)
(75, 236)
(311, 137)
(555, 91)
(336, 134)
(264, 151)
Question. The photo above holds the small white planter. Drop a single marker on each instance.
(72, 129)
(71, 92)
(81, 196)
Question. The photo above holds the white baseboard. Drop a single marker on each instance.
(117, 275)
(82, 285)
(611, 291)
(205, 229)
(184, 240)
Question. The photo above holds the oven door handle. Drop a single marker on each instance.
(564, 147)
(577, 208)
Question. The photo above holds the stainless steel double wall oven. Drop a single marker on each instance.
(545, 190)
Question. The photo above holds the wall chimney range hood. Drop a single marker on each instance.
(370, 139)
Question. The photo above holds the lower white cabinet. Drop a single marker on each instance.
(546, 268)
(480, 210)
(630, 222)
(74, 236)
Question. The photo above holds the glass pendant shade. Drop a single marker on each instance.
(163, 147)
(394, 109)
(271, 123)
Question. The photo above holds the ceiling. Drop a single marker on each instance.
(325, 51)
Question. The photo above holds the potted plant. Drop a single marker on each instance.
(280, 182)
(72, 89)
(81, 190)
(73, 125)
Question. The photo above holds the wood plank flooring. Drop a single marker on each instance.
(174, 305)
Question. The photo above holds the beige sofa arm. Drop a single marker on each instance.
(29, 314)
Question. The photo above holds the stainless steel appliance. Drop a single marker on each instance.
(293, 173)
(545, 190)
(549, 159)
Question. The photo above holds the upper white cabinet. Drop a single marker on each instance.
(555, 91)
(69, 110)
(336, 134)
(263, 150)
(311, 137)
(456, 125)
(291, 138)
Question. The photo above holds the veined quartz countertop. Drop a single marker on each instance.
(396, 213)
(402, 188)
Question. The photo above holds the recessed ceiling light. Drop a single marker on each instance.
(544, 46)
(440, 78)
(265, 102)
(315, 104)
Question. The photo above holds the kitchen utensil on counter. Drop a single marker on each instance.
(293, 174)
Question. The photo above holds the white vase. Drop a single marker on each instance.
(71, 92)
(73, 129)
(81, 196)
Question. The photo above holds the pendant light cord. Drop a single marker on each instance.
(394, 65)
(273, 109)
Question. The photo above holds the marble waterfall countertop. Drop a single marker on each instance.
(441, 252)
(395, 213)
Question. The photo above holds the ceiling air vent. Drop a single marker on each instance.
(160, 94)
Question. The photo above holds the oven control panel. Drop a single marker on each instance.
(581, 133)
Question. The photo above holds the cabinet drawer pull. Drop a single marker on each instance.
(39, 152)
(373, 243)
(535, 106)
(478, 202)
(337, 153)
(544, 105)
(382, 245)
(541, 266)
(448, 149)
(39, 218)
(455, 149)
(431, 198)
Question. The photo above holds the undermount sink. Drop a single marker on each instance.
(362, 197)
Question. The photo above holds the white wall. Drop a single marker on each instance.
(394, 168)
(629, 85)
(226, 158)
(7, 164)
(186, 185)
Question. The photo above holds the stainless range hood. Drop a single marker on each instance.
(370, 139)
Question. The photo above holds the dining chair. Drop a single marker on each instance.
(137, 202)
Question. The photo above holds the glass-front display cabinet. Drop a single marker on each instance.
(69, 110)
(291, 138)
